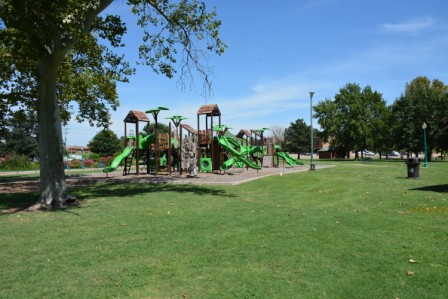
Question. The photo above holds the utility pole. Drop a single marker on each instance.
(66, 148)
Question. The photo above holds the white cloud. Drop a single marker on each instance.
(412, 26)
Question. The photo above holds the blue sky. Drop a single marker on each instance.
(278, 52)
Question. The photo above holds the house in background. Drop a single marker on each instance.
(327, 153)
(77, 152)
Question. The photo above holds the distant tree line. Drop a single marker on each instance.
(355, 120)
(359, 118)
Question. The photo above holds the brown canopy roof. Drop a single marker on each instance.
(256, 132)
(243, 132)
(135, 116)
(210, 110)
(189, 129)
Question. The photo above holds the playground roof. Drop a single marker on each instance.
(243, 132)
(189, 129)
(210, 110)
(256, 132)
(135, 116)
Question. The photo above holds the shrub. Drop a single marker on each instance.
(107, 160)
(88, 162)
(16, 162)
(93, 156)
(75, 163)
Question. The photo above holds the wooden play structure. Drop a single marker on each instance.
(132, 137)
(160, 150)
(208, 149)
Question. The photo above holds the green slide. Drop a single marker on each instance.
(145, 140)
(228, 163)
(240, 157)
(288, 159)
(116, 162)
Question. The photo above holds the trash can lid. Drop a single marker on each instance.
(412, 160)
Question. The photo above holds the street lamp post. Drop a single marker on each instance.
(82, 159)
(312, 166)
(424, 126)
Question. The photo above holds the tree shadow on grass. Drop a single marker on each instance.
(16, 202)
(15, 179)
(435, 188)
(125, 189)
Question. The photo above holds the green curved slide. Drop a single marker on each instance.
(237, 156)
(288, 159)
(228, 163)
(116, 162)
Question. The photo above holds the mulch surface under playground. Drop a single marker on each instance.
(231, 177)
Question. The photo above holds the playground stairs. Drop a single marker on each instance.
(128, 163)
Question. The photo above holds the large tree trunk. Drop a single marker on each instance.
(51, 151)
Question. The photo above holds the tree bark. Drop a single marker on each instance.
(53, 192)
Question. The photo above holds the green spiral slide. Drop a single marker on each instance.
(237, 156)
(116, 162)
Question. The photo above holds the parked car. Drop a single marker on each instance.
(367, 153)
(393, 153)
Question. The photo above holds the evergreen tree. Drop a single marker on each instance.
(20, 137)
(298, 137)
(151, 128)
(105, 143)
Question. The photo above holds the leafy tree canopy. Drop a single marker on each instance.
(57, 53)
(151, 128)
(105, 143)
(20, 137)
(424, 101)
(354, 119)
(298, 137)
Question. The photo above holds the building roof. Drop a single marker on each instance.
(210, 110)
(135, 116)
(77, 148)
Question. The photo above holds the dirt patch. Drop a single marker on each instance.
(32, 185)
(234, 177)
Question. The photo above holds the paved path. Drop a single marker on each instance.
(80, 179)
(232, 177)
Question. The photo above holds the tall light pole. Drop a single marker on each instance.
(312, 166)
(424, 126)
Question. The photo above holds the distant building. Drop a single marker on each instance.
(77, 150)
(326, 152)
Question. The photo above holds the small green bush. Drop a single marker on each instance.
(107, 160)
(75, 164)
(93, 156)
(17, 162)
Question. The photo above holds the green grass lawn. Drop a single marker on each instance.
(350, 231)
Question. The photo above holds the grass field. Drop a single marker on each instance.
(350, 231)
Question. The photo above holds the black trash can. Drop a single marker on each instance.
(413, 167)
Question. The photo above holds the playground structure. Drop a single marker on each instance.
(211, 149)
(208, 151)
